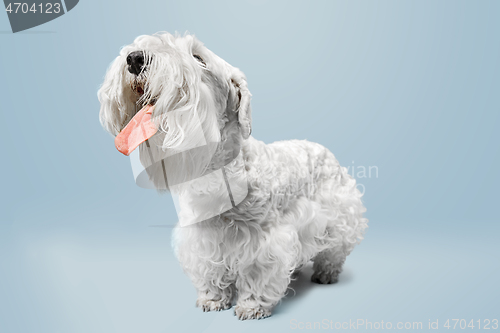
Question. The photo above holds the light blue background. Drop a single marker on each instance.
(409, 87)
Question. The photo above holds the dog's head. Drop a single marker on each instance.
(188, 111)
(184, 80)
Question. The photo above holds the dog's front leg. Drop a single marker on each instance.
(263, 280)
(214, 298)
(260, 290)
(212, 282)
(215, 290)
(206, 270)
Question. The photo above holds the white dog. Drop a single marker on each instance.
(297, 203)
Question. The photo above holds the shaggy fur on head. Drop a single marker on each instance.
(298, 204)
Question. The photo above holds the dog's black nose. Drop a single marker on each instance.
(135, 62)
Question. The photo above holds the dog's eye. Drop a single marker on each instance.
(200, 59)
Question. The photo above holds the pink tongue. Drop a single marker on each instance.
(138, 130)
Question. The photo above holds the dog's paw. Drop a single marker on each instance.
(325, 278)
(210, 305)
(244, 313)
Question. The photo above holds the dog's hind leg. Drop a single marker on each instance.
(340, 198)
(328, 265)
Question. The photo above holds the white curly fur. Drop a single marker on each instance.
(301, 204)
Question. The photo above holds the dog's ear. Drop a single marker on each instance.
(117, 107)
(239, 81)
